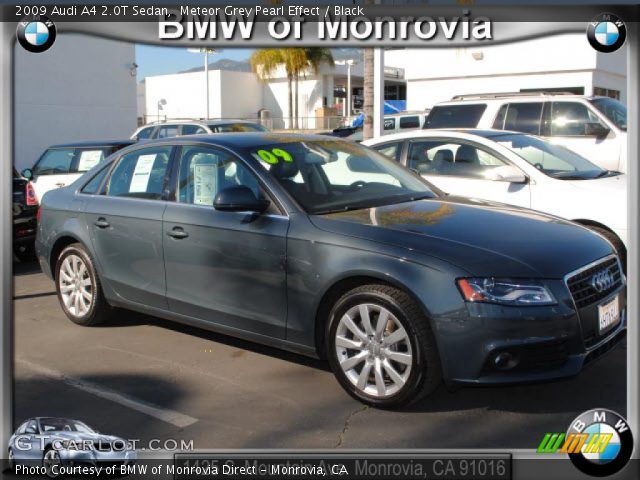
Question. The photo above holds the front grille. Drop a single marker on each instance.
(580, 284)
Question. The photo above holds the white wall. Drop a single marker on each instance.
(435, 75)
(231, 95)
(80, 89)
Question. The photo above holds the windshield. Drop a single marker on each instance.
(240, 127)
(615, 111)
(555, 161)
(325, 176)
(63, 425)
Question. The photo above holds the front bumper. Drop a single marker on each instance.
(95, 457)
(547, 343)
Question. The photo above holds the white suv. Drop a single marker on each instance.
(594, 127)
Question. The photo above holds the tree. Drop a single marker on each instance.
(296, 62)
(367, 105)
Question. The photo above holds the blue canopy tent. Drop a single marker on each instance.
(390, 107)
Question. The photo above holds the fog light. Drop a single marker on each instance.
(505, 360)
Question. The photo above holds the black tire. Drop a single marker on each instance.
(425, 374)
(98, 310)
(616, 242)
(25, 252)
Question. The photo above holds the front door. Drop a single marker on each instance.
(223, 267)
(462, 168)
(125, 223)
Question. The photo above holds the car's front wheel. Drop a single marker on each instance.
(51, 462)
(78, 286)
(381, 348)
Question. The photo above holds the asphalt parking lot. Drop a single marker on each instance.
(143, 378)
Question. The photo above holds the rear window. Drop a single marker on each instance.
(520, 117)
(455, 116)
(410, 122)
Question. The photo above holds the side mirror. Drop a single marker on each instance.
(596, 129)
(506, 173)
(27, 173)
(239, 199)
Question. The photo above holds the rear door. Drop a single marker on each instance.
(223, 267)
(125, 223)
(462, 168)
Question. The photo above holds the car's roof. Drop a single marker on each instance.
(480, 99)
(94, 143)
(242, 140)
(197, 122)
(440, 132)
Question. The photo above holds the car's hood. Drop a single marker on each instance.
(480, 237)
(614, 186)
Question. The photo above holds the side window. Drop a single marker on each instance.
(167, 131)
(498, 123)
(54, 161)
(87, 159)
(453, 159)
(205, 171)
(140, 174)
(391, 150)
(93, 186)
(570, 119)
(410, 122)
(455, 116)
(192, 130)
(145, 133)
(389, 124)
(524, 117)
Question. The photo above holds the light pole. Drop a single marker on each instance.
(206, 52)
(161, 103)
(349, 63)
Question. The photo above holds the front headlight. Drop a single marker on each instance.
(505, 291)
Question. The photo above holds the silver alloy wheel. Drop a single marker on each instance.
(373, 350)
(51, 458)
(76, 288)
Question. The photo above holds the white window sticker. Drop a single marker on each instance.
(204, 184)
(142, 172)
(89, 159)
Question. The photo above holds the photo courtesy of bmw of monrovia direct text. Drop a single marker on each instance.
(281, 239)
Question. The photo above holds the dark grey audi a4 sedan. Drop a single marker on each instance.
(324, 247)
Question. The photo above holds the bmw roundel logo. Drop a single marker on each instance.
(604, 442)
(36, 34)
(606, 32)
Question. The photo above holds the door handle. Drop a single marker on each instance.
(101, 223)
(177, 233)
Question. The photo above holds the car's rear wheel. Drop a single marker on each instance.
(50, 460)
(381, 348)
(78, 286)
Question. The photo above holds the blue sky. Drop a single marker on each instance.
(161, 60)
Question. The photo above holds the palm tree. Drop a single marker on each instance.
(367, 91)
(296, 62)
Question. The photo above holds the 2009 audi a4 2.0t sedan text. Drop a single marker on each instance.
(326, 248)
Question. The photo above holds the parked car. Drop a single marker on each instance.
(594, 127)
(399, 122)
(25, 210)
(397, 285)
(517, 169)
(54, 442)
(62, 164)
(194, 127)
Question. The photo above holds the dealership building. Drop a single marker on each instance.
(83, 88)
(422, 77)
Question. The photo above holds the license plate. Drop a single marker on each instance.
(608, 315)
